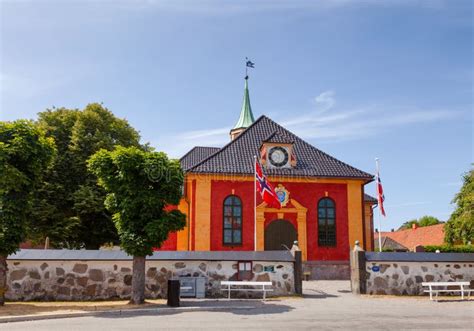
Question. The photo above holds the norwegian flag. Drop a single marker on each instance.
(265, 189)
(380, 196)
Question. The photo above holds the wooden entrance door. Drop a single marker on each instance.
(279, 233)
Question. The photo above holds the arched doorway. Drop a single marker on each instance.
(279, 233)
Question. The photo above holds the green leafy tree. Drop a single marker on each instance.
(460, 227)
(140, 185)
(421, 222)
(69, 205)
(25, 153)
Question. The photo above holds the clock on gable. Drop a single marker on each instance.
(279, 156)
(277, 151)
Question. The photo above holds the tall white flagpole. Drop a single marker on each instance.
(378, 199)
(255, 202)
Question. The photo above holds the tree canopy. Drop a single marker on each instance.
(422, 221)
(25, 152)
(460, 226)
(69, 205)
(141, 186)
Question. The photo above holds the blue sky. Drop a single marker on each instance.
(357, 79)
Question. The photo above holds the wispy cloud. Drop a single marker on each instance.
(327, 123)
(230, 7)
(362, 122)
(325, 100)
(179, 144)
(409, 204)
(204, 134)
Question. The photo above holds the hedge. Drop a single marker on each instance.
(450, 248)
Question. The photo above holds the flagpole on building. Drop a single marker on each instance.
(255, 203)
(378, 199)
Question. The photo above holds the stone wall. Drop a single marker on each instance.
(101, 280)
(403, 273)
(406, 277)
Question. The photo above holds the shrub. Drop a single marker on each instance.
(450, 248)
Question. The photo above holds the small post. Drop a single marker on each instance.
(358, 272)
(298, 273)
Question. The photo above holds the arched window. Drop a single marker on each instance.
(232, 221)
(326, 222)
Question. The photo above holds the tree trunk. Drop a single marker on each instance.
(3, 278)
(138, 280)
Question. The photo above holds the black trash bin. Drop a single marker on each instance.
(173, 292)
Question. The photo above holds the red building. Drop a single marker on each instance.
(324, 206)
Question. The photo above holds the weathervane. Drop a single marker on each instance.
(248, 64)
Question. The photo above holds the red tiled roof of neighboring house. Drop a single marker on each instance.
(424, 236)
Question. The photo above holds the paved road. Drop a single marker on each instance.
(327, 305)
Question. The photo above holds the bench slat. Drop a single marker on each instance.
(445, 283)
(249, 289)
(440, 291)
(246, 283)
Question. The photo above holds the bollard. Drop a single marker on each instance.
(173, 292)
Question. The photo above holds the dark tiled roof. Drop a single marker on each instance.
(237, 156)
(196, 155)
(277, 137)
(369, 198)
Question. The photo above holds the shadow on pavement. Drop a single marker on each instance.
(240, 307)
(317, 294)
(451, 300)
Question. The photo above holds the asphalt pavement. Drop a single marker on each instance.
(327, 305)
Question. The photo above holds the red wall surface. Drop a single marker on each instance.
(170, 244)
(307, 194)
(219, 191)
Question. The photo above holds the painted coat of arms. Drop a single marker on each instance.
(282, 194)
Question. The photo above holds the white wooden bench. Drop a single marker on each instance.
(242, 286)
(440, 287)
(184, 288)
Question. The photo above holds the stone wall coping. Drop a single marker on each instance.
(419, 257)
(118, 255)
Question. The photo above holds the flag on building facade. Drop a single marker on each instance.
(380, 195)
(266, 190)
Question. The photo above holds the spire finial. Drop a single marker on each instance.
(248, 64)
(246, 116)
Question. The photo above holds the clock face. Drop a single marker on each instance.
(278, 156)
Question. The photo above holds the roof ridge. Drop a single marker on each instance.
(277, 133)
(192, 149)
(420, 227)
(189, 152)
(229, 143)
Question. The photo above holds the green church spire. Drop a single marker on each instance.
(246, 117)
